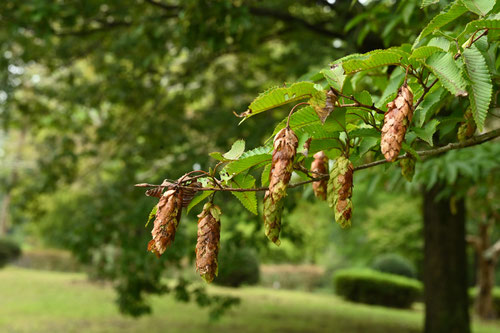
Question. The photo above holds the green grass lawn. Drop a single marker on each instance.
(42, 301)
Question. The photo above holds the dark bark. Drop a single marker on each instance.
(445, 278)
(485, 275)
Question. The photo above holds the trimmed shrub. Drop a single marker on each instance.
(372, 287)
(9, 251)
(394, 264)
(237, 266)
(496, 298)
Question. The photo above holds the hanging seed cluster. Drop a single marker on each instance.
(340, 191)
(396, 122)
(468, 127)
(408, 167)
(285, 148)
(166, 221)
(167, 217)
(208, 244)
(320, 166)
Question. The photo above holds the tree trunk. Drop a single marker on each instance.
(445, 278)
(485, 275)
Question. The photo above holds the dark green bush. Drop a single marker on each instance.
(496, 298)
(9, 251)
(372, 287)
(394, 264)
(237, 266)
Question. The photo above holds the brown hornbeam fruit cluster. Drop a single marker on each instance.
(467, 127)
(320, 166)
(285, 148)
(396, 122)
(208, 244)
(167, 219)
(340, 191)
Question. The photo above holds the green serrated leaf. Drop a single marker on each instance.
(449, 14)
(428, 131)
(429, 106)
(426, 3)
(441, 42)
(396, 80)
(335, 77)
(424, 52)
(151, 215)
(373, 59)
(236, 150)
(197, 199)
(323, 144)
(264, 178)
(481, 90)
(277, 96)
(480, 7)
(248, 160)
(367, 144)
(364, 133)
(446, 69)
(306, 120)
(248, 199)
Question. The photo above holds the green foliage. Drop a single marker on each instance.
(448, 15)
(394, 225)
(427, 131)
(426, 3)
(237, 266)
(197, 199)
(88, 86)
(248, 199)
(371, 287)
(277, 96)
(394, 264)
(371, 60)
(480, 7)
(481, 88)
(152, 215)
(9, 251)
(446, 69)
(236, 150)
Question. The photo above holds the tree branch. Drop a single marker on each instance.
(286, 17)
(479, 139)
(493, 252)
(162, 5)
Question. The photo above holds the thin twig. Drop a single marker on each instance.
(476, 140)
(292, 111)
(359, 104)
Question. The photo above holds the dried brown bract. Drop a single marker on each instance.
(340, 191)
(167, 219)
(396, 122)
(285, 148)
(189, 193)
(320, 166)
(208, 244)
